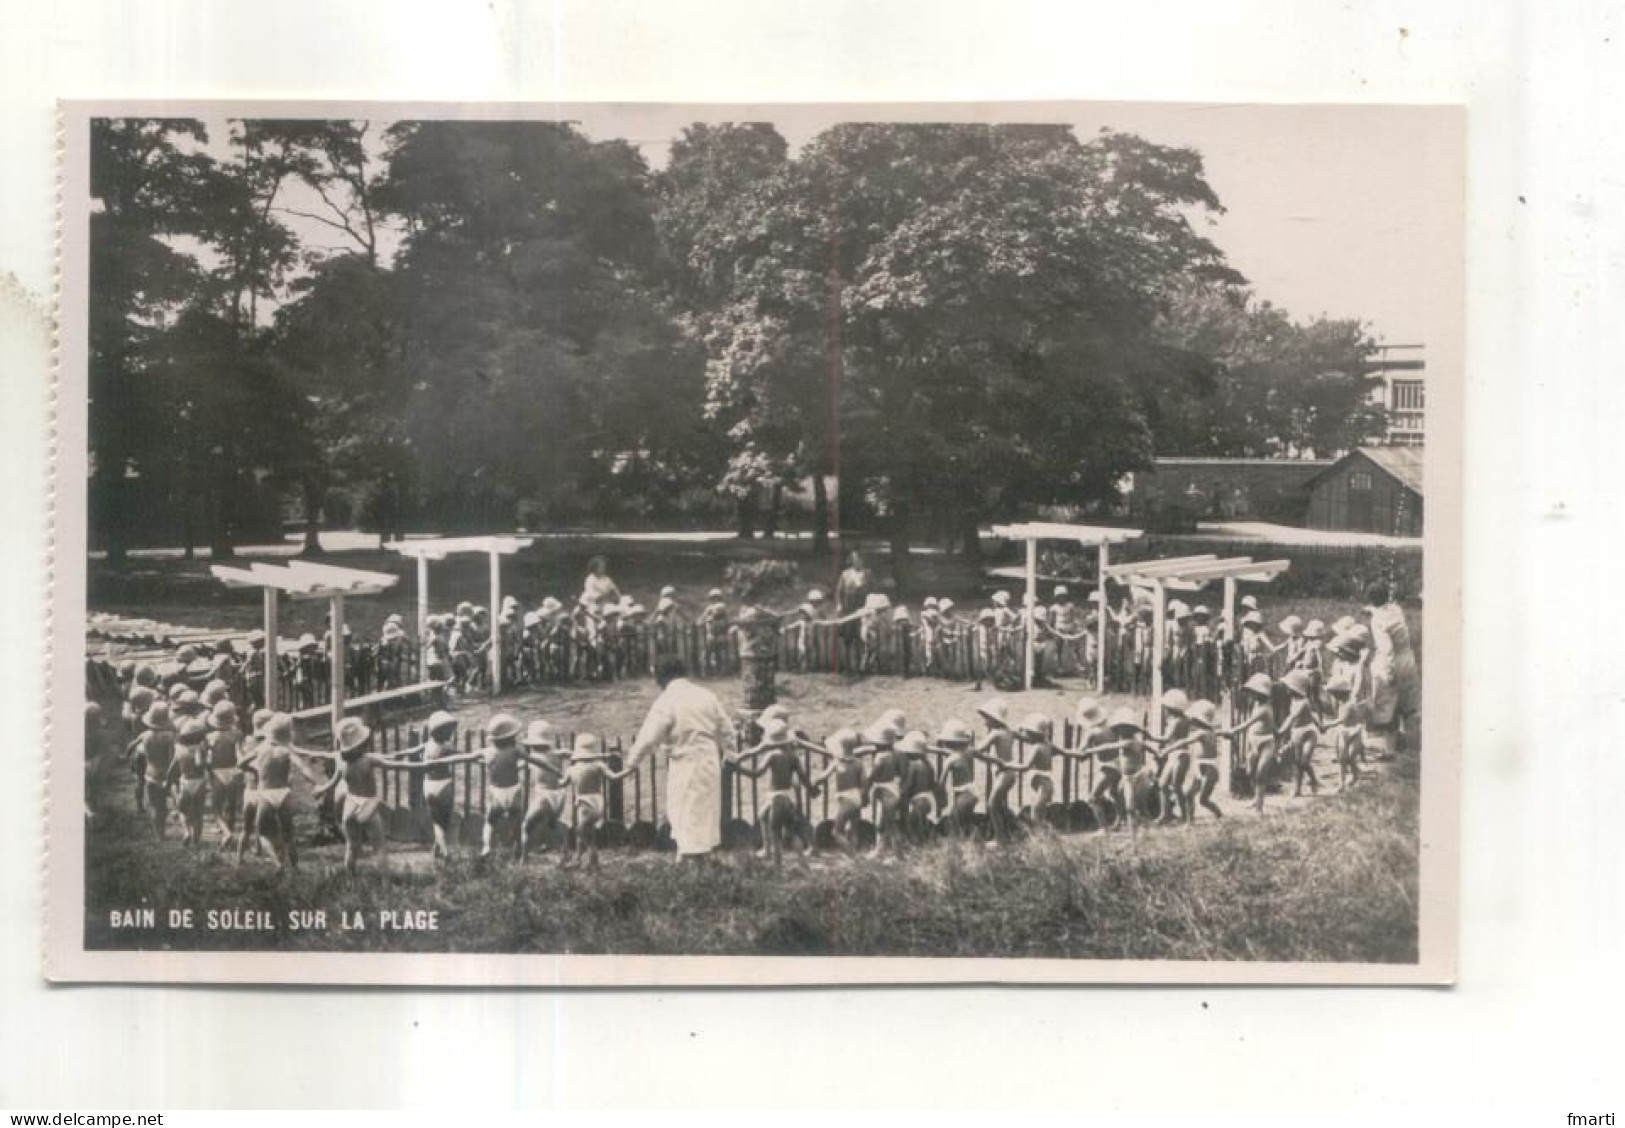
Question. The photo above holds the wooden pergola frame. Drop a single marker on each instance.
(304, 580)
(1101, 537)
(438, 548)
(1190, 573)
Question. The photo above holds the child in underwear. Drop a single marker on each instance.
(1259, 727)
(714, 627)
(440, 781)
(1037, 731)
(549, 787)
(589, 773)
(959, 776)
(504, 789)
(1204, 742)
(779, 811)
(1094, 743)
(188, 777)
(224, 745)
(885, 782)
(1302, 731)
(1175, 758)
(153, 750)
(358, 769)
(269, 763)
(850, 781)
(141, 699)
(918, 787)
(1347, 741)
(1001, 742)
(1138, 784)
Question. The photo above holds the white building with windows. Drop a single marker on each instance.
(1403, 392)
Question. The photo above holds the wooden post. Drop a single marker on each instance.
(1158, 643)
(423, 599)
(271, 671)
(336, 659)
(496, 622)
(1100, 621)
(1027, 610)
(1230, 608)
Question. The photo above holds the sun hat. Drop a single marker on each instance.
(1261, 685)
(256, 635)
(1290, 625)
(1252, 619)
(1060, 592)
(1089, 712)
(188, 703)
(1250, 602)
(945, 605)
(775, 710)
(1096, 597)
(877, 601)
(176, 689)
(214, 691)
(531, 619)
(899, 614)
(395, 617)
(465, 608)
(1178, 609)
(439, 721)
(955, 733)
(1036, 726)
(352, 734)
(1360, 633)
(279, 728)
(776, 733)
(1041, 614)
(882, 734)
(929, 603)
(260, 717)
(668, 592)
(538, 734)
(393, 631)
(307, 641)
(509, 601)
(1124, 718)
(666, 603)
(637, 609)
(995, 710)
(193, 731)
(1315, 629)
(1342, 625)
(223, 715)
(502, 726)
(1202, 713)
(1176, 700)
(841, 742)
(145, 674)
(587, 746)
(985, 615)
(1202, 611)
(913, 742)
(1001, 597)
(550, 605)
(714, 593)
(1298, 682)
(141, 699)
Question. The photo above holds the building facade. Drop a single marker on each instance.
(1402, 393)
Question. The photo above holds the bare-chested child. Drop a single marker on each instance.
(141, 698)
(188, 778)
(439, 760)
(1134, 762)
(1037, 731)
(246, 753)
(920, 804)
(269, 763)
(959, 775)
(589, 775)
(358, 768)
(885, 782)
(224, 745)
(1175, 757)
(549, 787)
(1302, 730)
(1259, 727)
(1001, 743)
(504, 789)
(1347, 738)
(779, 812)
(152, 751)
(1094, 741)
(1204, 742)
(850, 781)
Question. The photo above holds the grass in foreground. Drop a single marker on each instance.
(1334, 881)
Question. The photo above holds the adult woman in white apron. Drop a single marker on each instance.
(696, 731)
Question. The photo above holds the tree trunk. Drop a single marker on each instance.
(770, 525)
(902, 566)
(745, 516)
(820, 541)
(313, 524)
(971, 533)
(220, 543)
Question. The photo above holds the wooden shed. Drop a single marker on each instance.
(1370, 490)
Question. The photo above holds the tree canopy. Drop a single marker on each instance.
(461, 324)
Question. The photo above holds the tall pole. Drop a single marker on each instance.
(496, 622)
(1158, 629)
(270, 594)
(1229, 608)
(336, 652)
(1030, 602)
(423, 599)
(1100, 620)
